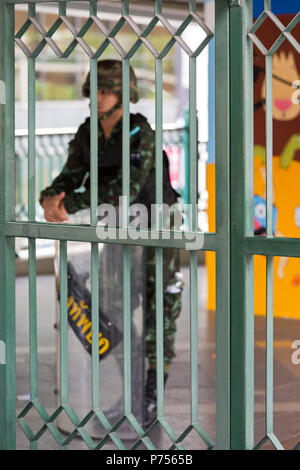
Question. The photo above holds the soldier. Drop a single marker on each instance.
(60, 198)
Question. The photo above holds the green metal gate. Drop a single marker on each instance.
(233, 242)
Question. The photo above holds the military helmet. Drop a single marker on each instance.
(110, 80)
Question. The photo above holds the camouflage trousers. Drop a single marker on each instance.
(171, 303)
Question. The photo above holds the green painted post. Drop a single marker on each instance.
(7, 244)
(31, 191)
(222, 87)
(242, 311)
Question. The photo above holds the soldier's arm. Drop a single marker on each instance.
(70, 178)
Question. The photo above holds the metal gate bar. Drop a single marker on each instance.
(31, 195)
(242, 309)
(7, 256)
(222, 197)
(159, 226)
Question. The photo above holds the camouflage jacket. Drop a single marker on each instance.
(75, 172)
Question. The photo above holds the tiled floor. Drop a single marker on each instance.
(177, 395)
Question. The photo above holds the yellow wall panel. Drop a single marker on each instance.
(286, 270)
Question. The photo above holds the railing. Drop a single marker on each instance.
(51, 153)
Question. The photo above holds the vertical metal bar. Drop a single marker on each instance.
(193, 6)
(158, 7)
(24, 171)
(158, 137)
(41, 167)
(64, 392)
(50, 162)
(269, 146)
(193, 224)
(125, 7)
(9, 122)
(95, 324)
(94, 141)
(8, 338)
(125, 221)
(7, 245)
(269, 347)
(242, 309)
(33, 320)
(193, 140)
(126, 142)
(94, 219)
(33, 334)
(186, 160)
(242, 317)
(127, 327)
(94, 131)
(267, 5)
(31, 217)
(31, 131)
(159, 226)
(62, 8)
(269, 259)
(194, 337)
(222, 126)
(18, 183)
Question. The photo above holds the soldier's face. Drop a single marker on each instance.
(106, 101)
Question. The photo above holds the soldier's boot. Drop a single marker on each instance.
(151, 397)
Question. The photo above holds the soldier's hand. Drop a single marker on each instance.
(54, 209)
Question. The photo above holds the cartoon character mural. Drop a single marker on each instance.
(260, 220)
(286, 95)
(286, 168)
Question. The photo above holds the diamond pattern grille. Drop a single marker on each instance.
(285, 33)
(110, 36)
(110, 431)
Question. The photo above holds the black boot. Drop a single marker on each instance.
(150, 396)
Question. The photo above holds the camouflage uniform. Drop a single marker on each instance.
(142, 190)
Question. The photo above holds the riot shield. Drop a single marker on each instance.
(111, 332)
